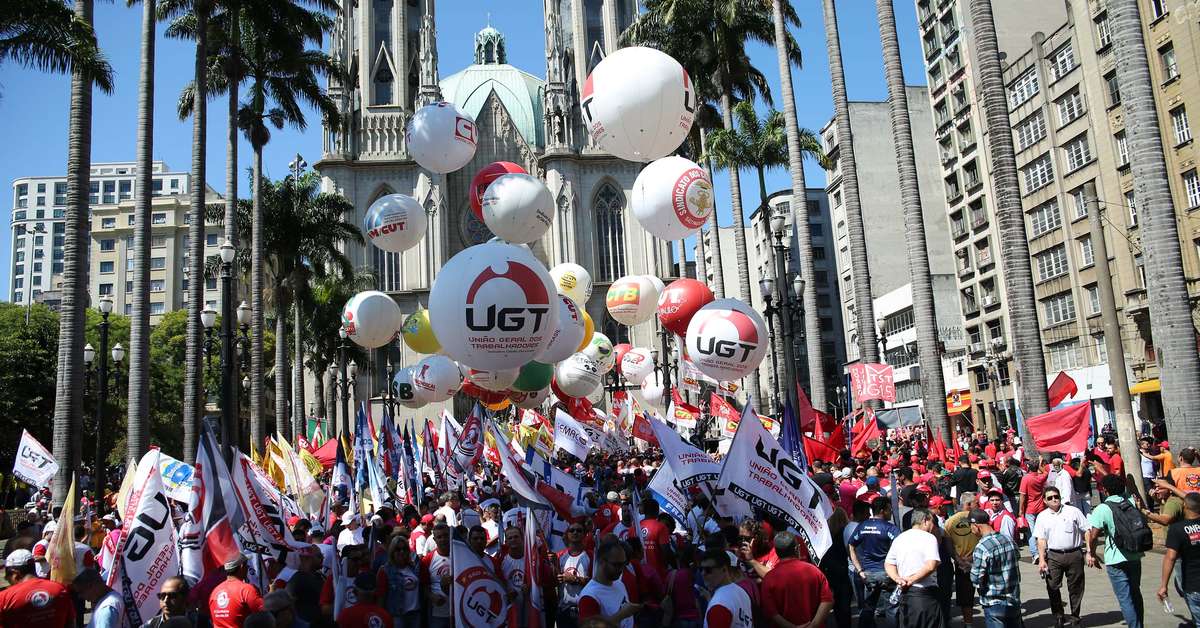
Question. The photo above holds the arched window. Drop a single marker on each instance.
(383, 85)
(608, 206)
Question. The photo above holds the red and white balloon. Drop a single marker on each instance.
(441, 137)
(637, 364)
(632, 299)
(371, 319)
(437, 378)
(679, 302)
(395, 223)
(484, 178)
(672, 198)
(726, 339)
(638, 104)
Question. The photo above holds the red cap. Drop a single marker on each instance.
(937, 500)
(427, 518)
(973, 458)
(293, 520)
(924, 488)
(39, 550)
(985, 475)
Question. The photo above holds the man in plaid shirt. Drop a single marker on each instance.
(994, 573)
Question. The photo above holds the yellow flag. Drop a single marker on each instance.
(254, 457)
(126, 486)
(61, 550)
(272, 459)
(311, 462)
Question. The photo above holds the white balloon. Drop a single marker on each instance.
(493, 307)
(596, 396)
(600, 349)
(403, 390)
(530, 400)
(653, 391)
(638, 104)
(726, 339)
(672, 198)
(569, 333)
(518, 208)
(577, 376)
(573, 281)
(637, 365)
(632, 299)
(494, 381)
(395, 223)
(437, 378)
(371, 319)
(441, 137)
(659, 286)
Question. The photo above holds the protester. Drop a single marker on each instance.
(32, 601)
(994, 573)
(869, 547)
(364, 612)
(108, 609)
(963, 539)
(436, 576)
(911, 563)
(306, 584)
(173, 604)
(605, 596)
(234, 599)
(1183, 547)
(730, 605)
(795, 591)
(1122, 563)
(1032, 487)
(1060, 533)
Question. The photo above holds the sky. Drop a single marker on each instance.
(34, 105)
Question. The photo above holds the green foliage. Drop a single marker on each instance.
(28, 362)
(48, 36)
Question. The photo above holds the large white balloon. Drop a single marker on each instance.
(403, 390)
(637, 365)
(653, 391)
(672, 198)
(530, 400)
(577, 376)
(600, 349)
(395, 223)
(638, 104)
(569, 334)
(371, 319)
(659, 286)
(726, 339)
(495, 381)
(493, 307)
(573, 281)
(632, 299)
(437, 378)
(441, 137)
(518, 208)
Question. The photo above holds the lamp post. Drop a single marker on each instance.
(347, 392)
(345, 383)
(389, 373)
(778, 223)
(992, 361)
(229, 368)
(106, 307)
(118, 355)
(208, 318)
(766, 285)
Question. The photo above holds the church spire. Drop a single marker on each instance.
(430, 91)
(555, 103)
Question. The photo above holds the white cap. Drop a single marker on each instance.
(50, 528)
(348, 517)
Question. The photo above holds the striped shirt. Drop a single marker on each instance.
(994, 571)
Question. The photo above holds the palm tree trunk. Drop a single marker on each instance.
(682, 272)
(68, 397)
(298, 414)
(1170, 313)
(193, 381)
(929, 352)
(283, 424)
(318, 392)
(714, 229)
(256, 305)
(233, 75)
(864, 303)
(1024, 328)
(137, 437)
(739, 229)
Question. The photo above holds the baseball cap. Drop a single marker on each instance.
(978, 516)
(293, 520)
(985, 475)
(39, 550)
(233, 563)
(427, 518)
(873, 481)
(348, 517)
(51, 527)
(937, 500)
(612, 496)
(19, 558)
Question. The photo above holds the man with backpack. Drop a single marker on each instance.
(1128, 537)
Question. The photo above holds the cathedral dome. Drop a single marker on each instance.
(520, 92)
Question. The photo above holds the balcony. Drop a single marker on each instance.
(978, 220)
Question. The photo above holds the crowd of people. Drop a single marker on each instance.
(917, 540)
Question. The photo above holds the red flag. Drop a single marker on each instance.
(560, 501)
(642, 429)
(936, 446)
(837, 439)
(957, 448)
(1065, 430)
(816, 450)
(1061, 388)
(726, 414)
(868, 429)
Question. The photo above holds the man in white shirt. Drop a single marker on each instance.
(352, 533)
(604, 596)
(912, 564)
(1058, 477)
(1061, 530)
(449, 509)
(730, 605)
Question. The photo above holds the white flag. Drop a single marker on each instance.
(690, 464)
(35, 464)
(479, 594)
(149, 554)
(570, 436)
(667, 492)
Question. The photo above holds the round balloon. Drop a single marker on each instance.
(600, 349)
(493, 307)
(637, 364)
(653, 391)
(417, 333)
(371, 319)
(534, 376)
(589, 330)
(577, 376)
(494, 381)
(726, 339)
(437, 378)
(441, 137)
(572, 280)
(484, 178)
(638, 104)
(570, 332)
(659, 286)
(632, 299)
(403, 390)
(529, 400)
(680, 301)
(672, 198)
(395, 223)
(518, 208)
(483, 395)
(619, 352)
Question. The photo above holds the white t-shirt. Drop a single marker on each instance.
(349, 537)
(909, 553)
(439, 566)
(513, 570)
(736, 601)
(580, 565)
(450, 515)
(609, 597)
(108, 612)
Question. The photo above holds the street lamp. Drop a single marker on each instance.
(230, 398)
(389, 373)
(345, 382)
(106, 307)
(778, 224)
(766, 286)
(208, 318)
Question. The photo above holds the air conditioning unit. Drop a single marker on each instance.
(989, 301)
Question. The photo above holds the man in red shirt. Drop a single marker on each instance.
(795, 590)
(656, 539)
(364, 613)
(31, 601)
(235, 599)
(1030, 503)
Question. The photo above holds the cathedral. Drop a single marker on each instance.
(390, 49)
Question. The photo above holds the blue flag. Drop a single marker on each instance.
(790, 438)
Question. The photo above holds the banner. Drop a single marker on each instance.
(148, 556)
(60, 551)
(958, 401)
(510, 469)
(570, 436)
(468, 447)
(264, 509)
(669, 495)
(872, 381)
(726, 415)
(1061, 388)
(690, 464)
(1065, 430)
(681, 413)
(479, 594)
(759, 471)
(176, 477)
(35, 464)
(206, 540)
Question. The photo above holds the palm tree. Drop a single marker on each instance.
(1170, 313)
(864, 303)
(49, 36)
(68, 399)
(1010, 220)
(933, 386)
(137, 425)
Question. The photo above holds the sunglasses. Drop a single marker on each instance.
(166, 594)
(1052, 498)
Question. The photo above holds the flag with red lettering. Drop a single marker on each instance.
(206, 540)
(479, 595)
(681, 413)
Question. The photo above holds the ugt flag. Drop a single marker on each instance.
(479, 594)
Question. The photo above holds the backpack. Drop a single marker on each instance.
(1130, 530)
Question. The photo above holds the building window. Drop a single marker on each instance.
(210, 283)
(108, 244)
(1093, 292)
(1038, 174)
(1166, 59)
(106, 289)
(157, 307)
(1103, 32)
(158, 242)
(60, 194)
(1079, 202)
(158, 285)
(1070, 107)
(1062, 61)
(1191, 186)
(1062, 356)
(1051, 263)
(1139, 265)
(210, 239)
(108, 223)
(966, 137)
(1086, 256)
(1045, 218)
(128, 287)
(1131, 205)
(898, 322)
(1023, 88)
(125, 189)
(1179, 122)
(107, 268)
(1158, 8)
(1078, 153)
(158, 218)
(609, 208)
(1059, 308)
(158, 263)
(156, 187)
(1122, 143)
